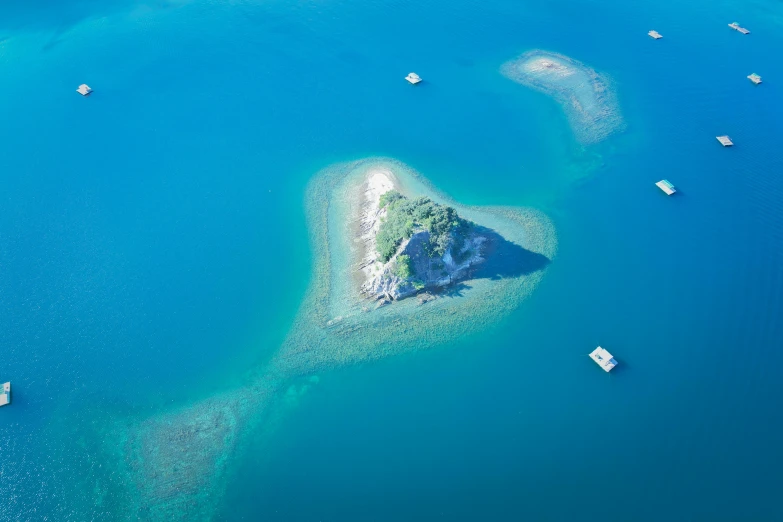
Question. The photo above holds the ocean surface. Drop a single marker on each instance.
(154, 249)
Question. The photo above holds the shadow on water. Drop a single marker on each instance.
(506, 259)
(455, 290)
(621, 368)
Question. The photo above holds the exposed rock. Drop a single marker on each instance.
(427, 271)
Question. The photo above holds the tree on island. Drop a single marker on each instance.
(405, 216)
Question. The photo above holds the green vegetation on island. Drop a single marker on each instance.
(174, 463)
(404, 267)
(405, 216)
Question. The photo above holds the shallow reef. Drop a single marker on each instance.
(585, 95)
(337, 315)
(173, 465)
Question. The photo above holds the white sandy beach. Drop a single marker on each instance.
(378, 183)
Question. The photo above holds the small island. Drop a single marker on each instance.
(380, 234)
(418, 245)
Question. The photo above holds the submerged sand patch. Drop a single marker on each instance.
(174, 465)
(585, 95)
(336, 314)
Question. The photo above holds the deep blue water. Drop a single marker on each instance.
(153, 244)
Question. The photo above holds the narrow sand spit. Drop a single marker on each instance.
(175, 464)
(378, 183)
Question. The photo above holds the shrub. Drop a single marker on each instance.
(403, 266)
(403, 216)
(389, 197)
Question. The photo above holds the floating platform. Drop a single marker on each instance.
(666, 186)
(736, 27)
(655, 34)
(84, 89)
(725, 141)
(413, 78)
(755, 78)
(5, 394)
(603, 359)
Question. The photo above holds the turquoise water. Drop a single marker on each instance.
(153, 247)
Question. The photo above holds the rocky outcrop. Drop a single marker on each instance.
(415, 266)
(426, 272)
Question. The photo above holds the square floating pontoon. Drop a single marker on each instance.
(413, 78)
(725, 141)
(5, 394)
(666, 186)
(603, 359)
(736, 27)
